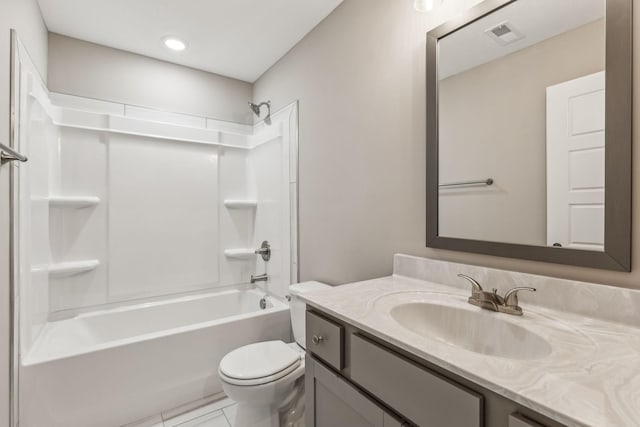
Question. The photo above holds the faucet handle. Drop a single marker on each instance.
(474, 282)
(511, 297)
(264, 251)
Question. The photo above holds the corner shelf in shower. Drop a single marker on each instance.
(73, 202)
(240, 204)
(240, 253)
(67, 269)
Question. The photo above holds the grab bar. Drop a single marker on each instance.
(8, 154)
(488, 181)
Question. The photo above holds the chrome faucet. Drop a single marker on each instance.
(492, 301)
(259, 278)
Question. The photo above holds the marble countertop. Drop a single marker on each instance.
(590, 378)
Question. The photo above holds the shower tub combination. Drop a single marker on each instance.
(112, 367)
(94, 234)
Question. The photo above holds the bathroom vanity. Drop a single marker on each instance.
(357, 379)
(409, 350)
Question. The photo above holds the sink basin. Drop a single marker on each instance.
(480, 332)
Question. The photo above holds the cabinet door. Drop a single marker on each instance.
(332, 402)
(424, 397)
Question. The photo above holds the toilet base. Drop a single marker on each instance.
(256, 416)
(288, 412)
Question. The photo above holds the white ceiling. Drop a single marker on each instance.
(234, 38)
(537, 20)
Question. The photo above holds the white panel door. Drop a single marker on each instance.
(575, 163)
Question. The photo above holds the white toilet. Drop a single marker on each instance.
(266, 379)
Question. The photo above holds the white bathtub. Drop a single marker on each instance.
(113, 367)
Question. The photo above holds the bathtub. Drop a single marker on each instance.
(112, 367)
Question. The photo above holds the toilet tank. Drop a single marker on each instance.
(298, 308)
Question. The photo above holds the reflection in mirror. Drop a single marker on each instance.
(521, 126)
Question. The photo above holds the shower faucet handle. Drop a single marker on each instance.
(264, 251)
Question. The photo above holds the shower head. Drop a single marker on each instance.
(256, 110)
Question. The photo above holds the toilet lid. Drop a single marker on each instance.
(263, 360)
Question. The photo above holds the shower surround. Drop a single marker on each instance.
(122, 209)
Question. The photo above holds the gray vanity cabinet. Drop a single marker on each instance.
(333, 402)
(356, 380)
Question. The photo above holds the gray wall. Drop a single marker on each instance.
(81, 68)
(493, 124)
(23, 16)
(360, 79)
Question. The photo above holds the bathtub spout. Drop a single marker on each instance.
(259, 278)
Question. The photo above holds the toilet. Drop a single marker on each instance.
(266, 379)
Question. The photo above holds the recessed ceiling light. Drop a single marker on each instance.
(423, 5)
(174, 43)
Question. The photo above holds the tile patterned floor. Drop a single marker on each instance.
(217, 413)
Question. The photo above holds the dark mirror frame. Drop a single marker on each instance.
(618, 119)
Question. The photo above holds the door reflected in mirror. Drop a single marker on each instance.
(521, 126)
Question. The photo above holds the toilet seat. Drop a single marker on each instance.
(259, 363)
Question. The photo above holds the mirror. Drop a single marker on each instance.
(529, 131)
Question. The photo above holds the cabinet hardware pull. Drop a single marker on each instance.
(317, 339)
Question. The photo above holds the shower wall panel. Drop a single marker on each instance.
(37, 136)
(236, 225)
(273, 178)
(78, 235)
(266, 167)
(163, 216)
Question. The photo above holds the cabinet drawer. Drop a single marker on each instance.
(325, 339)
(517, 420)
(418, 394)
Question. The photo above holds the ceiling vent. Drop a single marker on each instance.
(504, 33)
